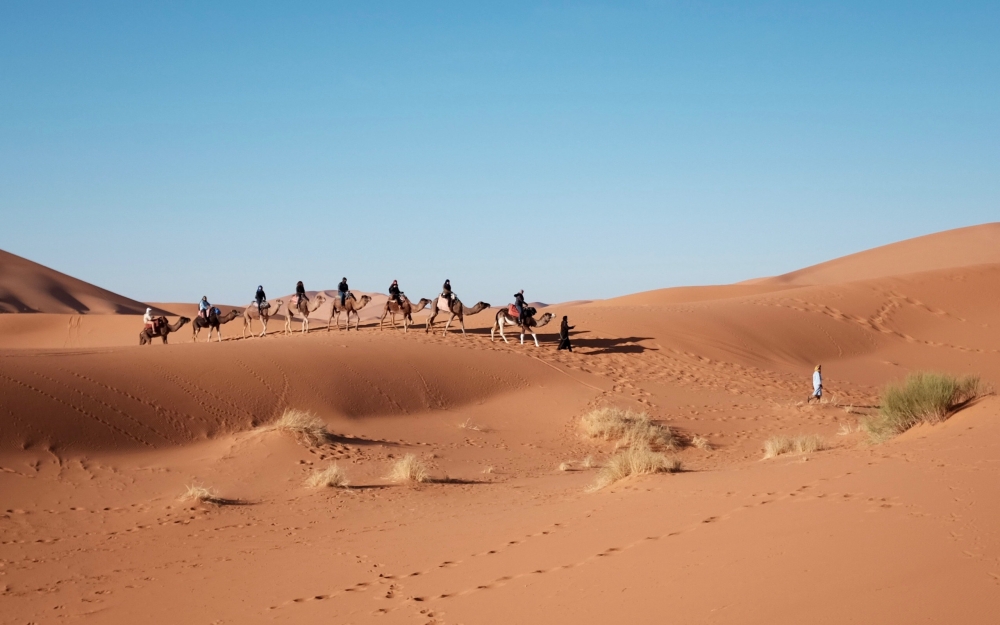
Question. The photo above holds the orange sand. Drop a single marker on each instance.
(100, 437)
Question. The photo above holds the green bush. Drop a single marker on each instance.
(921, 398)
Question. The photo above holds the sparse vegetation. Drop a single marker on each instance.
(626, 427)
(920, 398)
(847, 429)
(589, 463)
(332, 476)
(638, 460)
(488, 469)
(781, 445)
(565, 466)
(469, 425)
(303, 424)
(408, 469)
(701, 442)
(200, 493)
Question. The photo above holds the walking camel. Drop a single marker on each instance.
(351, 305)
(406, 308)
(212, 323)
(303, 308)
(504, 318)
(252, 312)
(162, 329)
(456, 308)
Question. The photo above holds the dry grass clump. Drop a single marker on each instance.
(302, 423)
(408, 469)
(637, 460)
(626, 427)
(701, 442)
(589, 462)
(332, 476)
(200, 493)
(781, 445)
(565, 466)
(920, 398)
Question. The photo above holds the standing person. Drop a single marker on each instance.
(342, 290)
(260, 298)
(519, 305)
(564, 329)
(394, 292)
(817, 384)
(204, 307)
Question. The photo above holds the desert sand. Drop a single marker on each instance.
(100, 438)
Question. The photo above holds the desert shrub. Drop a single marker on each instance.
(701, 442)
(920, 398)
(302, 423)
(780, 445)
(410, 469)
(638, 460)
(332, 476)
(626, 427)
(200, 493)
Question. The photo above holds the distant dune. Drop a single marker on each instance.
(27, 287)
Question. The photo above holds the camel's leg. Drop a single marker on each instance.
(535, 336)
(522, 337)
(462, 321)
(263, 323)
(219, 332)
(447, 325)
(502, 323)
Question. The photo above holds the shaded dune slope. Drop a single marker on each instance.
(27, 287)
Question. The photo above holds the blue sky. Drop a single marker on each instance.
(576, 150)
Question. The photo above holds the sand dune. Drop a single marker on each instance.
(27, 287)
(100, 438)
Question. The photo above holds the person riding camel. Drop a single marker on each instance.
(343, 290)
(204, 308)
(446, 292)
(394, 293)
(300, 293)
(519, 305)
(147, 319)
(260, 298)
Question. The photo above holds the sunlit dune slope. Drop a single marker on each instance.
(27, 287)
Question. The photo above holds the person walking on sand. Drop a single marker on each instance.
(564, 329)
(817, 384)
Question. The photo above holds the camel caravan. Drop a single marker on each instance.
(518, 315)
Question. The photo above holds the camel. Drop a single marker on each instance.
(351, 305)
(212, 323)
(252, 313)
(406, 308)
(303, 308)
(457, 309)
(504, 318)
(148, 334)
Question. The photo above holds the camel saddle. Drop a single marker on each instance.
(156, 325)
(443, 304)
(512, 310)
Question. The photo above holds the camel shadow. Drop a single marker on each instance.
(624, 345)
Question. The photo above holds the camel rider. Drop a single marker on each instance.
(300, 293)
(519, 305)
(394, 292)
(147, 319)
(446, 291)
(204, 307)
(260, 298)
(343, 290)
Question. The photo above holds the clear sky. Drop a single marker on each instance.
(575, 150)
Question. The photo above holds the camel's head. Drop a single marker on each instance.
(184, 320)
(320, 298)
(365, 299)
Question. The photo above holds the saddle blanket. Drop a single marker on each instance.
(512, 310)
(443, 304)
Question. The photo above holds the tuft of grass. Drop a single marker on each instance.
(847, 429)
(469, 425)
(489, 469)
(302, 423)
(781, 445)
(589, 462)
(200, 493)
(920, 398)
(408, 469)
(633, 461)
(627, 428)
(332, 476)
(565, 466)
(701, 442)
